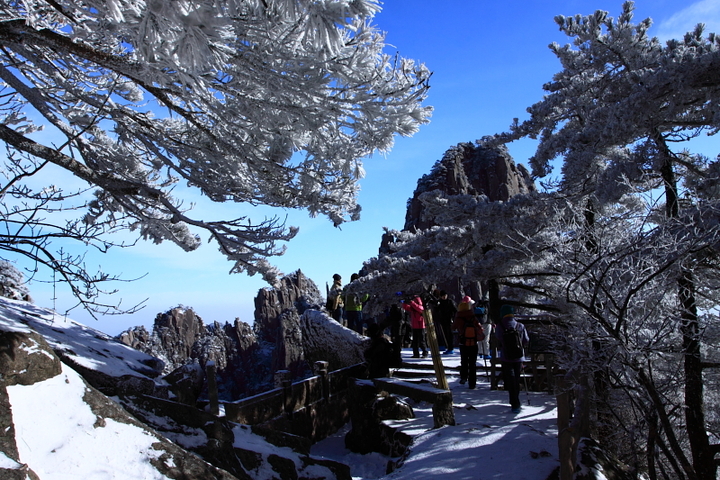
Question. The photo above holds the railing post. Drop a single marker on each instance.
(283, 379)
(212, 388)
(435, 350)
(493, 360)
(565, 434)
(321, 370)
(549, 367)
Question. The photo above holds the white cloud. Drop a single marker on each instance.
(685, 20)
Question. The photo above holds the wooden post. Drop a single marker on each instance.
(212, 388)
(321, 370)
(435, 350)
(494, 359)
(565, 435)
(549, 366)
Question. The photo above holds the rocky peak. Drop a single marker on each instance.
(295, 293)
(470, 169)
(178, 330)
(466, 169)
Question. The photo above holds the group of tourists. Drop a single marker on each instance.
(467, 327)
(346, 306)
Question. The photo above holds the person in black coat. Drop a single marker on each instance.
(446, 311)
(511, 360)
(380, 355)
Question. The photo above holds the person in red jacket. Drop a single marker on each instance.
(469, 333)
(417, 322)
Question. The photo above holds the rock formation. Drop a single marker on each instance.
(466, 169)
(326, 340)
(470, 169)
(28, 359)
(246, 357)
(49, 363)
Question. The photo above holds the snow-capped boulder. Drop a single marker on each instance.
(186, 382)
(324, 339)
(108, 365)
(25, 358)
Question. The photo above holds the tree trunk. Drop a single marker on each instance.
(494, 300)
(702, 454)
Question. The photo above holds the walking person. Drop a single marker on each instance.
(486, 325)
(394, 321)
(446, 311)
(417, 322)
(512, 340)
(469, 333)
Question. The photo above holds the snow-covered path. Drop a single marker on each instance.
(487, 442)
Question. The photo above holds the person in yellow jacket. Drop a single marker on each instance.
(353, 306)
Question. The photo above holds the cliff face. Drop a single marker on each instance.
(470, 169)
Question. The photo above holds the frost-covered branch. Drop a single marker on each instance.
(271, 102)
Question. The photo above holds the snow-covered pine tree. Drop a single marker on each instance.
(625, 246)
(12, 282)
(621, 116)
(266, 102)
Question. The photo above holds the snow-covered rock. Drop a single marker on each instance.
(54, 424)
(291, 332)
(324, 339)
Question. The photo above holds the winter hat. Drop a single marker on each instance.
(464, 306)
(468, 300)
(337, 277)
(506, 310)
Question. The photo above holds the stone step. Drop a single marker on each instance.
(412, 373)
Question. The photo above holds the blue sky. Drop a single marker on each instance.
(489, 62)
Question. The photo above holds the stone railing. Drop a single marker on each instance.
(313, 408)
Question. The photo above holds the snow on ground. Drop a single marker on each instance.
(60, 439)
(487, 442)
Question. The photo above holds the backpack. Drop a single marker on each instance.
(352, 300)
(333, 300)
(512, 346)
(468, 336)
(331, 303)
